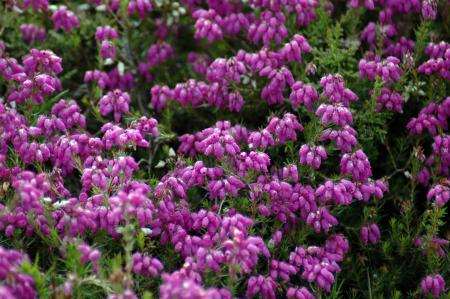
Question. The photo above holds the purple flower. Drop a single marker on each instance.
(260, 284)
(423, 177)
(256, 161)
(334, 90)
(34, 87)
(433, 284)
(261, 139)
(429, 9)
(233, 23)
(440, 193)
(37, 4)
(273, 92)
(146, 265)
(207, 25)
(438, 50)
(303, 94)
(299, 293)
(341, 192)
(261, 62)
(218, 143)
(42, 61)
(178, 285)
(222, 69)
(285, 128)
(370, 233)
(290, 171)
(144, 69)
(431, 117)
(280, 269)
(106, 32)
(63, 18)
(107, 50)
(220, 188)
(32, 33)
(401, 48)
(304, 11)
(15, 284)
(369, 4)
(160, 95)
(142, 7)
(101, 78)
(191, 92)
(118, 81)
(439, 65)
(431, 244)
(270, 26)
(199, 63)
(388, 69)
(114, 135)
(89, 255)
(276, 238)
(390, 100)
(337, 114)
(441, 149)
(321, 220)
(170, 186)
(372, 188)
(345, 139)
(127, 294)
(293, 50)
(146, 126)
(319, 263)
(114, 101)
(159, 53)
(356, 164)
(312, 155)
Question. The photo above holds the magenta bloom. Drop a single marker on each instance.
(270, 26)
(312, 155)
(207, 25)
(337, 114)
(145, 265)
(356, 164)
(334, 90)
(433, 284)
(370, 233)
(64, 18)
(390, 100)
(303, 94)
(37, 4)
(15, 284)
(107, 50)
(106, 32)
(115, 101)
(293, 50)
(142, 7)
(32, 33)
(440, 194)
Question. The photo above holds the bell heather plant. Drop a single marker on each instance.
(224, 149)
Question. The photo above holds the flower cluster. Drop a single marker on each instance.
(372, 66)
(32, 33)
(271, 151)
(115, 101)
(433, 284)
(64, 18)
(14, 283)
(439, 61)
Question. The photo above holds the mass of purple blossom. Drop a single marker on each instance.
(256, 203)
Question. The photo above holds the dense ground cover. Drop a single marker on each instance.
(224, 149)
